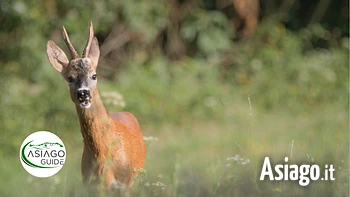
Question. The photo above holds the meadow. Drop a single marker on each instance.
(215, 150)
(193, 159)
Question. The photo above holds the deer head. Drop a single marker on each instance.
(80, 73)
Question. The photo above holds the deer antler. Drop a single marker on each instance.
(72, 51)
(88, 44)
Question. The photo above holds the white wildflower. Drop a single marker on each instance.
(159, 184)
(113, 98)
(150, 138)
(238, 159)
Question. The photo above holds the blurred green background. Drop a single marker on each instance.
(185, 69)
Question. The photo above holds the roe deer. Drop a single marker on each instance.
(114, 149)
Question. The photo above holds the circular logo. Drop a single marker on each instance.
(42, 154)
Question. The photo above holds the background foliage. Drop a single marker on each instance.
(184, 70)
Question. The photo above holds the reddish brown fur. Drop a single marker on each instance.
(113, 145)
(114, 149)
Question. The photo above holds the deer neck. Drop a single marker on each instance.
(95, 125)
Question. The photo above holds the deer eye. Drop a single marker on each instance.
(70, 79)
(94, 77)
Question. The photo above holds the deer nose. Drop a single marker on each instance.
(83, 94)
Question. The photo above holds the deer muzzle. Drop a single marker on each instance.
(84, 98)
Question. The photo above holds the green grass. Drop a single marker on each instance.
(198, 110)
(189, 159)
(196, 107)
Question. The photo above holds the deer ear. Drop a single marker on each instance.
(94, 53)
(57, 57)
